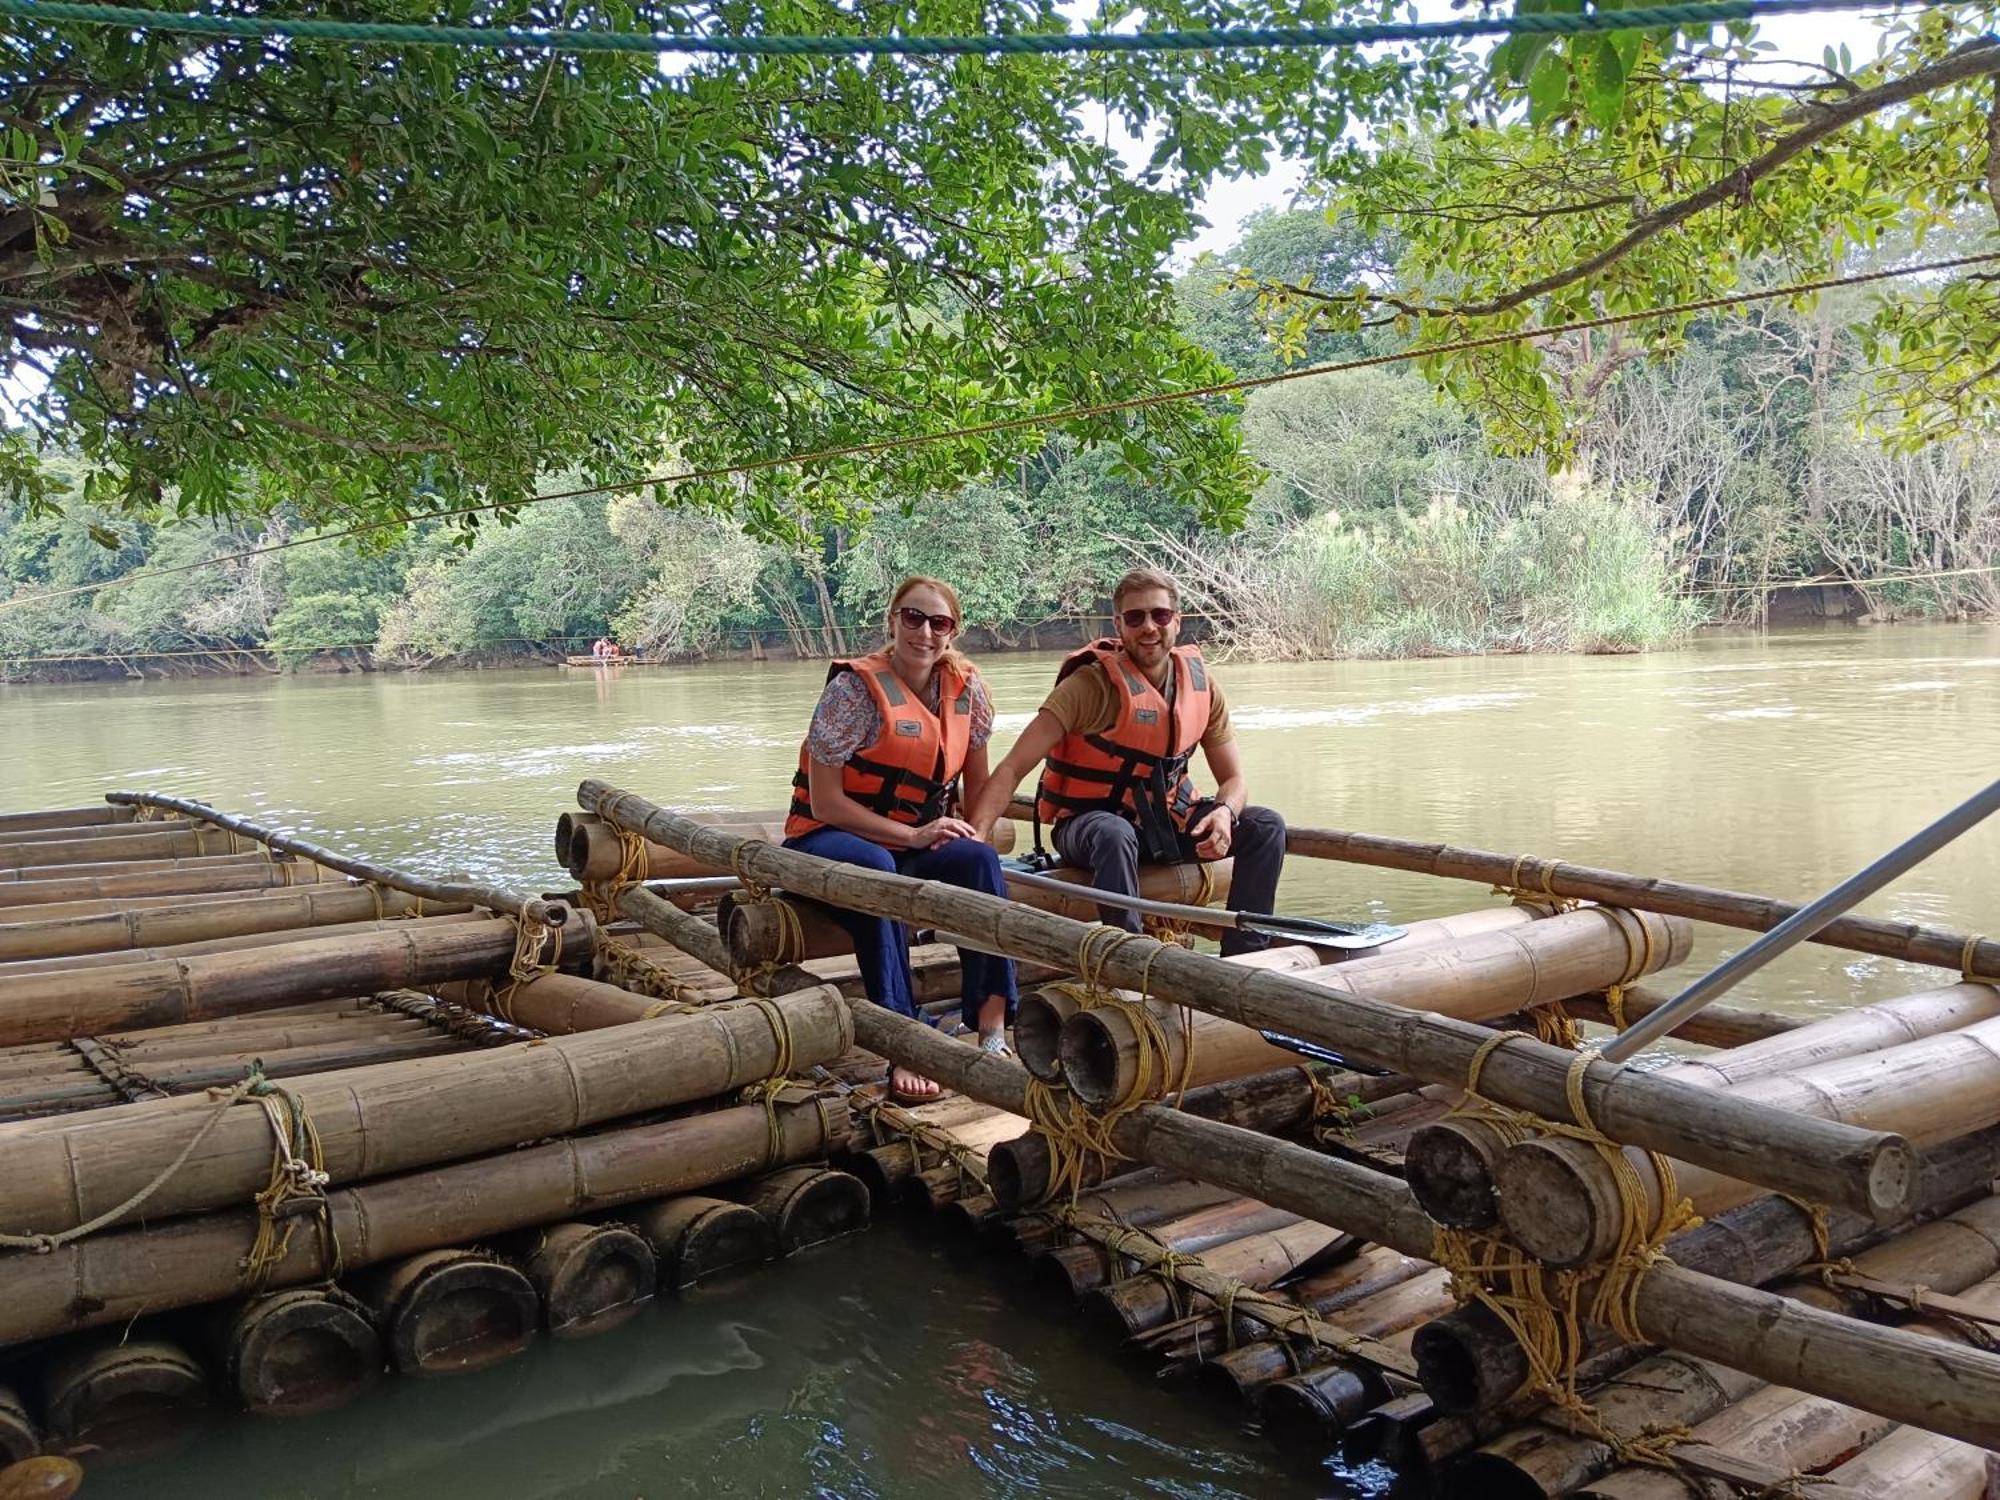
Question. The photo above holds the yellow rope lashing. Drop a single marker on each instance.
(1545, 895)
(1968, 957)
(537, 951)
(1177, 930)
(1545, 1310)
(601, 896)
(297, 1187)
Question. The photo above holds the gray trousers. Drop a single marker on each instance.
(1107, 845)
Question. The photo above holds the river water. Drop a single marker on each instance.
(879, 1366)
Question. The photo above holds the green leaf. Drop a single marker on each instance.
(1548, 88)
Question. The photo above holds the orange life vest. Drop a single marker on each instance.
(907, 775)
(1143, 759)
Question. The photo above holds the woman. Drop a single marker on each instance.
(878, 784)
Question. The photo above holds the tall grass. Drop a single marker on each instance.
(1571, 570)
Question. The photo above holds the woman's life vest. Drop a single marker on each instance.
(1139, 767)
(909, 774)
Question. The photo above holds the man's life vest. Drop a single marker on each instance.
(908, 773)
(1139, 767)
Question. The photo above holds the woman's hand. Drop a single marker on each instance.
(941, 830)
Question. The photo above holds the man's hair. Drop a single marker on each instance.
(1145, 578)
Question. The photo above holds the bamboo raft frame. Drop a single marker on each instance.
(1254, 1177)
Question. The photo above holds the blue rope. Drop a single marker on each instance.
(1210, 39)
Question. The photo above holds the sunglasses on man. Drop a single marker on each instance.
(916, 619)
(1160, 616)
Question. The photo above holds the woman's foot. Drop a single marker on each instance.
(993, 1026)
(906, 1087)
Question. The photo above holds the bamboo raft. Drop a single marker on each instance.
(1478, 1262)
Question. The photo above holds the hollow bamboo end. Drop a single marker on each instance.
(696, 1238)
(808, 1206)
(1100, 1057)
(301, 1351)
(1559, 1201)
(591, 1277)
(1038, 1025)
(1234, 1379)
(1468, 1361)
(132, 1399)
(1450, 1165)
(1018, 1172)
(448, 1311)
(1130, 1307)
(1310, 1413)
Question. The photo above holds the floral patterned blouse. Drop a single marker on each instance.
(846, 720)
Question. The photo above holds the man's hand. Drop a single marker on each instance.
(1214, 832)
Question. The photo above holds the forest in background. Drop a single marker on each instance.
(1699, 484)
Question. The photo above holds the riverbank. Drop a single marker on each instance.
(1830, 606)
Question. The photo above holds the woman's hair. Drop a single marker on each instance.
(958, 660)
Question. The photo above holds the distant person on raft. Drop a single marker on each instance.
(1117, 733)
(879, 773)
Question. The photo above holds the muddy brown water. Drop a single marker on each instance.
(883, 1365)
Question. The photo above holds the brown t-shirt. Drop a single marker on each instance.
(1085, 703)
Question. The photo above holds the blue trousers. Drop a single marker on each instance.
(882, 947)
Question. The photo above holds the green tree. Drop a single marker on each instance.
(1564, 178)
(365, 281)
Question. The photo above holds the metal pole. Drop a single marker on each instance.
(1804, 922)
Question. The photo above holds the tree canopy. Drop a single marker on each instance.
(372, 282)
(1558, 179)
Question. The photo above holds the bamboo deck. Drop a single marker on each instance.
(1263, 1234)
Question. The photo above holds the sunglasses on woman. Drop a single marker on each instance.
(916, 619)
(1159, 615)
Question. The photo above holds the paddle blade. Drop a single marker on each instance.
(1324, 934)
(1318, 1053)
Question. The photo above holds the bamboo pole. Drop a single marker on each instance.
(1549, 1458)
(1782, 1429)
(559, 1004)
(165, 926)
(1471, 1362)
(401, 1116)
(1956, 1392)
(187, 842)
(47, 1007)
(1039, 1018)
(225, 875)
(1068, 1271)
(1717, 1026)
(53, 911)
(38, 880)
(495, 898)
(1885, 939)
(1199, 1340)
(1250, 1262)
(1021, 1172)
(116, 1276)
(65, 817)
(84, 832)
(1233, 1377)
(1109, 1057)
(85, 966)
(1560, 1200)
(1811, 1158)
(1455, 1165)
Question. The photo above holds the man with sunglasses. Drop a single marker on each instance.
(1117, 734)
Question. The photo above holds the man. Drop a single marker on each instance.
(1117, 733)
